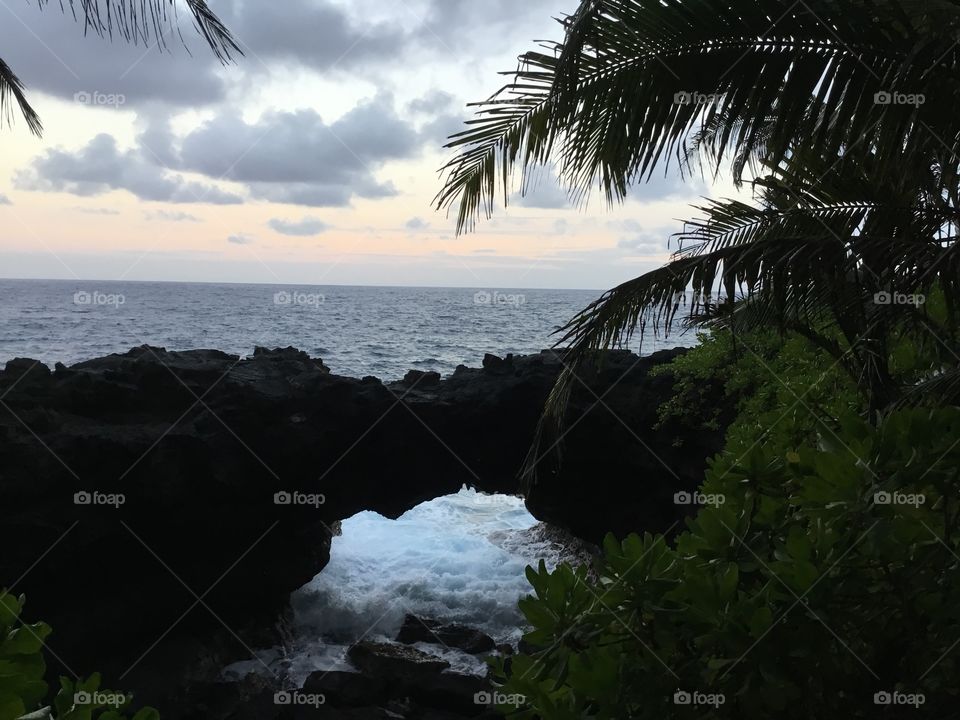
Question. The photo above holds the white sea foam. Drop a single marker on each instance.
(459, 558)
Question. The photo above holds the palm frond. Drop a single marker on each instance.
(511, 126)
(149, 21)
(11, 91)
(135, 21)
(633, 80)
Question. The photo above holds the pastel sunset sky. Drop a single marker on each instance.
(313, 159)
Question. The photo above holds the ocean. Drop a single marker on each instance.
(357, 331)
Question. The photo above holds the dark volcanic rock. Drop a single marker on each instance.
(415, 629)
(347, 689)
(421, 378)
(157, 505)
(401, 664)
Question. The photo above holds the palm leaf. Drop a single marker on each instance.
(11, 91)
(147, 21)
(781, 76)
(135, 21)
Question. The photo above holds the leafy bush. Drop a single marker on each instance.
(779, 387)
(22, 685)
(825, 585)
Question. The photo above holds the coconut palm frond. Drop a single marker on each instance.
(511, 127)
(135, 21)
(634, 79)
(11, 92)
(943, 388)
(149, 21)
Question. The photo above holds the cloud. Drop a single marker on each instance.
(4, 200)
(296, 158)
(100, 167)
(543, 192)
(172, 216)
(641, 241)
(312, 33)
(433, 102)
(417, 223)
(240, 239)
(300, 228)
(50, 53)
(494, 24)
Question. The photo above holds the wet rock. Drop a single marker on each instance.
(415, 629)
(400, 663)
(347, 689)
(450, 692)
(422, 379)
(200, 443)
(494, 365)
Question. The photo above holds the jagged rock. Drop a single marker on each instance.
(450, 692)
(347, 689)
(422, 379)
(495, 365)
(415, 629)
(400, 663)
(200, 444)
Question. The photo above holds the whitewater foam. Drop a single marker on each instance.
(458, 558)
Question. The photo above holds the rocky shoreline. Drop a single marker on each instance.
(160, 507)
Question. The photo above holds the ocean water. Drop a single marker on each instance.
(357, 331)
(459, 558)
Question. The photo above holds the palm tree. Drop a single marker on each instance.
(835, 111)
(135, 21)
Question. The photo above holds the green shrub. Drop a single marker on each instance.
(804, 594)
(22, 685)
(779, 388)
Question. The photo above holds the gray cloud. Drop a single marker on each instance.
(433, 102)
(294, 157)
(49, 52)
(493, 23)
(100, 167)
(543, 192)
(311, 33)
(240, 239)
(299, 228)
(4, 200)
(638, 240)
(417, 223)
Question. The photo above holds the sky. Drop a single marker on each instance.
(313, 159)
